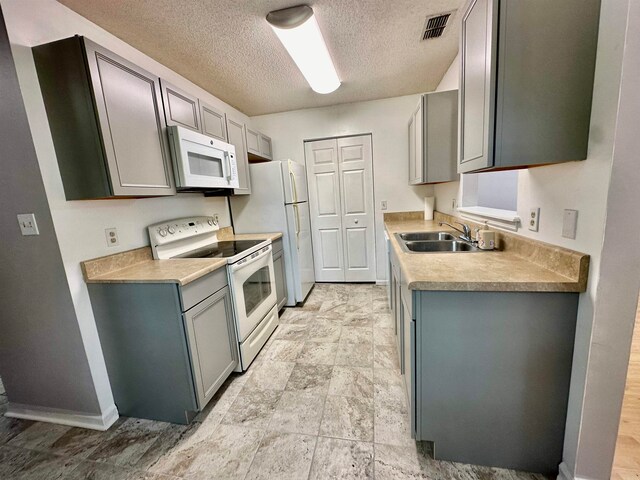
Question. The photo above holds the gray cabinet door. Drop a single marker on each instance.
(214, 122)
(129, 107)
(180, 108)
(265, 147)
(440, 136)
(478, 43)
(408, 347)
(236, 137)
(280, 278)
(253, 142)
(212, 343)
(416, 153)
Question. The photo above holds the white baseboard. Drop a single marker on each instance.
(564, 473)
(63, 417)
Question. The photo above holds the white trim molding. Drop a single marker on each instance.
(494, 217)
(63, 417)
(566, 474)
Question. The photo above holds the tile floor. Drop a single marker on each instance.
(324, 399)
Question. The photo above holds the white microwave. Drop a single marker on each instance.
(202, 162)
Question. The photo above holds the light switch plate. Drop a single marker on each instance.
(534, 219)
(28, 225)
(570, 223)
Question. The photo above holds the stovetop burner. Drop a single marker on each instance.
(224, 249)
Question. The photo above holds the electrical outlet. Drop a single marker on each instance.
(383, 205)
(112, 237)
(534, 219)
(28, 225)
(570, 223)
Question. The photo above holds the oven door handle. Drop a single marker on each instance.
(237, 266)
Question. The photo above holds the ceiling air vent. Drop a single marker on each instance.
(435, 26)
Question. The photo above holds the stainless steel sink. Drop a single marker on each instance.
(438, 246)
(427, 236)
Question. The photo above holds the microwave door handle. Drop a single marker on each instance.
(250, 261)
(226, 171)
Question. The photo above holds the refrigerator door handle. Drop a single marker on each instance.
(295, 206)
(294, 190)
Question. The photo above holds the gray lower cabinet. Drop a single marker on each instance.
(258, 145)
(237, 137)
(106, 119)
(433, 139)
(487, 374)
(526, 82)
(279, 273)
(167, 348)
(180, 108)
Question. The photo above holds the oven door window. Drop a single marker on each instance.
(256, 289)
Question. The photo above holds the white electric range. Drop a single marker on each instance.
(249, 269)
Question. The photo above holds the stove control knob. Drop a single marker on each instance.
(162, 232)
(171, 230)
(210, 221)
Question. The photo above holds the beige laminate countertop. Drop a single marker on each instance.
(488, 270)
(138, 266)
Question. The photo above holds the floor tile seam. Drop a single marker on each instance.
(324, 406)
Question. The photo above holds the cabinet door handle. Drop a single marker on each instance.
(355, 221)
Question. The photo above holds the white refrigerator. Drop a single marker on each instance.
(279, 203)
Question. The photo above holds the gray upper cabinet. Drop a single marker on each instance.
(433, 138)
(253, 142)
(105, 116)
(265, 147)
(526, 82)
(258, 146)
(237, 137)
(214, 122)
(180, 108)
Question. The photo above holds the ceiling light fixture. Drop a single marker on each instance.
(298, 30)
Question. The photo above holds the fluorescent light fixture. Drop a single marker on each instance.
(298, 30)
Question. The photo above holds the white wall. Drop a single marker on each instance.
(80, 225)
(387, 120)
(582, 186)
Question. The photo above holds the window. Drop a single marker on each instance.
(491, 197)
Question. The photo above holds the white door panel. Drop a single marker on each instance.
(340, 180)
(356, 177)
(326, 212)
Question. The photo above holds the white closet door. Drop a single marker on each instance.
(325, 208)
(340, 180)
(356, 180)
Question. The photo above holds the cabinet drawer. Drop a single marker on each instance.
(196, 291)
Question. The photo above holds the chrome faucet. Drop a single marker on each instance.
(466, 230)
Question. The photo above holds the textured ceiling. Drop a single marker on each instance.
(227, 47)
